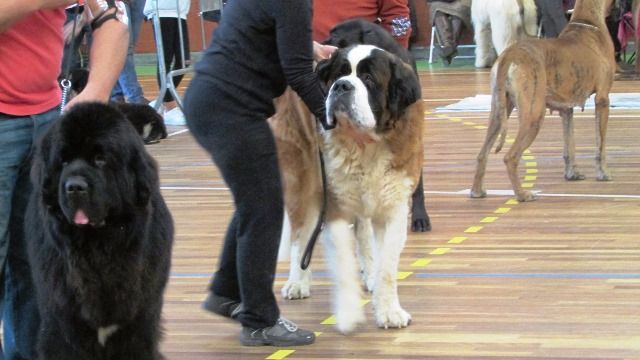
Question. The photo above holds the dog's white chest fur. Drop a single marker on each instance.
(361, 179)
(105, 332)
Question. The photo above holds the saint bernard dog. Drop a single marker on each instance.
(373, 161)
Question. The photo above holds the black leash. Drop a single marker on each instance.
(308, 251)
(66, 82)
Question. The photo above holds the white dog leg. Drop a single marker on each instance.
(393, 234)
(298, 286)
(485, 55)
(339, 241)
(366, 251)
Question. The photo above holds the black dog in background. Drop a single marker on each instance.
(99, 237)
(359, 31)
(147, 122)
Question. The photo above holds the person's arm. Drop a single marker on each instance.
(295, 47)
(394, 15)
(14, 10)
(108, 51)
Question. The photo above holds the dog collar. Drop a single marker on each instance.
(588, 26)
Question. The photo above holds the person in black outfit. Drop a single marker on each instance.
(259, 48)
(552, 17)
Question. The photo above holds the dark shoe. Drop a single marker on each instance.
(222, 306)
(283, 333)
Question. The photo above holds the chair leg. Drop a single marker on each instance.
(431, 45)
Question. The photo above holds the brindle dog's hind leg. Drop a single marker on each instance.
(495, 127)
(531, 118)
(602, 119)
(570, 169)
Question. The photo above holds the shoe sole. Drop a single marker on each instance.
(261, 342)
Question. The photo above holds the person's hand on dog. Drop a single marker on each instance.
(89, 94)
(322, 52)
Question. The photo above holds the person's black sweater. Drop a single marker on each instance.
(259, 47)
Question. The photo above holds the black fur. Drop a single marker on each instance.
(112, 268)
(147, 122)
(359, 31)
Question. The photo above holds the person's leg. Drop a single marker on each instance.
(178, 52)
(169, 27)
(553, 17)
(127, 84)
(243, 148)
(442, 22)
(20, 314)
(244, 151)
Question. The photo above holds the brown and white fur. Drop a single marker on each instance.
(373, 162)
(558, 74)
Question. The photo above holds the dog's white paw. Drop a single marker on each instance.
(347, 320)
(525, 195)
(573, 175)
(603, 176)
(369, 281)
(477, 193)
(392, 317)
(296, 289)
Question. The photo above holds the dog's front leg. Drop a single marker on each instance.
(339, 241)
(366, 251)
(602, 120)
(570, 169)
(391, 234)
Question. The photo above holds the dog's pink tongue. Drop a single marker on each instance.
(81, 218)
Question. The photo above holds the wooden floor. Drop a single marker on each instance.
(558, 278)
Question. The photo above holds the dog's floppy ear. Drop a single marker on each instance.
(145, 171)
(331, 69)
(326, 72)
(43, 171)
(404, 87)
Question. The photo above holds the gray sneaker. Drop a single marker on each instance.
(222, 305)
(283, 333)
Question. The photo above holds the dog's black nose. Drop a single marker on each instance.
(343, 86)
(76, 185)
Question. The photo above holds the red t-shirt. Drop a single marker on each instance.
(393, 14)
(30, 60)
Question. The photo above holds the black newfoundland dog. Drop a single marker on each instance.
(100, 238)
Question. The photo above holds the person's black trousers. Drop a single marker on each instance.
(243, 148)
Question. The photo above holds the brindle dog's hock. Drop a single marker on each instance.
(558, 74)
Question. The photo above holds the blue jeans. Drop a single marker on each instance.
(20, 318)
(127, 84)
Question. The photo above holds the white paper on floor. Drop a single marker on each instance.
(482, 102)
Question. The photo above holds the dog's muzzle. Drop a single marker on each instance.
(348, 100)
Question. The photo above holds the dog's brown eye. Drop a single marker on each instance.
(99, 160)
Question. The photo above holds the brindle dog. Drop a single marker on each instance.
(558, 74)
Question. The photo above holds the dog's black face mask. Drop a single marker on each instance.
(91, 166)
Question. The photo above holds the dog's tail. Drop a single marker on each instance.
(499, 101)
(528, 17)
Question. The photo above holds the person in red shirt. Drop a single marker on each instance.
(393, 15)
(31, 43)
